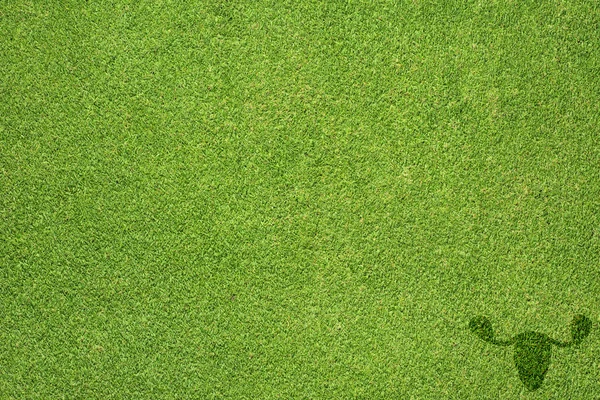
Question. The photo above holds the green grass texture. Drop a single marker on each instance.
(302, 199)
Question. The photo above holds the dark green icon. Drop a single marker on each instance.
(532, 349)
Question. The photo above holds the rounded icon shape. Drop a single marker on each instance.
(532, 358)
(580, 327)
(482, 327)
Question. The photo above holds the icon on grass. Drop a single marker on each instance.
(532, 349)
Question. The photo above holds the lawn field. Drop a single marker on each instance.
(299, 199)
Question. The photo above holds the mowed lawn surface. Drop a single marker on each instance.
(296, 199)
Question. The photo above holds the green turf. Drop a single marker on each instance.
(296, 199)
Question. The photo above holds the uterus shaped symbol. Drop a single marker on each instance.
(533, 350)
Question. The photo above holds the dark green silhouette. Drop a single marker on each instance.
(532, 349)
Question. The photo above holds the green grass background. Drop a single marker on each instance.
(296, 199)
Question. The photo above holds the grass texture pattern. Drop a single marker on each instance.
(299, 199)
